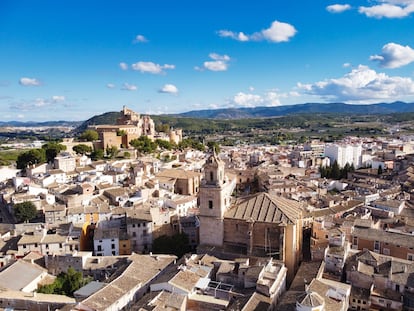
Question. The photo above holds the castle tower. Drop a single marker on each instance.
(215, 191)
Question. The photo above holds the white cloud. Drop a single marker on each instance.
(346, 65)
(240, 36)
(169, 88)
(123, 66)
(110, 86)
(151, 67)
(269, 99)
(277, 32)
(216, 56)
(129, 87)
(388, 9)
(338, 8)
(362, 85)
(38, 103)
(58, 98)
(218, 63)
(29, 82)
(140, 39)
(394, 55)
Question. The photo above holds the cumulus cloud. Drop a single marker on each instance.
(338, 8)
(123, 66)
(58, 98)
(239, 36)
(217, 63)
(388, 9)
(140, 39)
(269, 99)
(277, 32)
(394, 56)
(129, 87)
(346, 65)
(169, 88)
(38, 103)
(150, 67)
(110, 86)
(29, 81)
(362, 85)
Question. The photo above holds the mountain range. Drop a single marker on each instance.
(244, 113)
(263, 112)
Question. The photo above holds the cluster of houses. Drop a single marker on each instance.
(266, 232)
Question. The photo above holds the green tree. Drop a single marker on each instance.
(97, 154)
(33, 156)
(82, 149)
(25, 211)
(89, 135)
(178, 244)
(213, 145)
(121, 133)
(335, 171)
(65, 283)
(164, 144)
(143, 144)
(52, 149)
(380, 170)
(111, 152)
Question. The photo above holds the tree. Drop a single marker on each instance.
(89, 135)
(65, 283)
(82, 149)
(380, 170)
(143, 144)
(121, 133)
(164, 144)
(97, 154)
(214, 146)
(178, 244)
(111, 151)
(335, 171)
(25, 211)
(52, 149)
(33, 156)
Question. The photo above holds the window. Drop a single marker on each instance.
(134, 234)
(60, 245)
(144, 232)
(210, 204)
(410, 257)
(99, 248)
(377, 245)
(113, 246)
(211, 176)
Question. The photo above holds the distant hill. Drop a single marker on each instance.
(105, 118)
(37, 124)
(263, 112)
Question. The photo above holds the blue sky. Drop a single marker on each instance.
(70, 60)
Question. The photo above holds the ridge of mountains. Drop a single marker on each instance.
(277, 111)
(242, 113)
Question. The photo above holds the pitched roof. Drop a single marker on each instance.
(264, 207)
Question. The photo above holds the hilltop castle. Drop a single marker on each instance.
(131, 125)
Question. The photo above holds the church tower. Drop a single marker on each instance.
(215, 192)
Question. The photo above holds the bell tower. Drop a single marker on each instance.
(214, 201)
